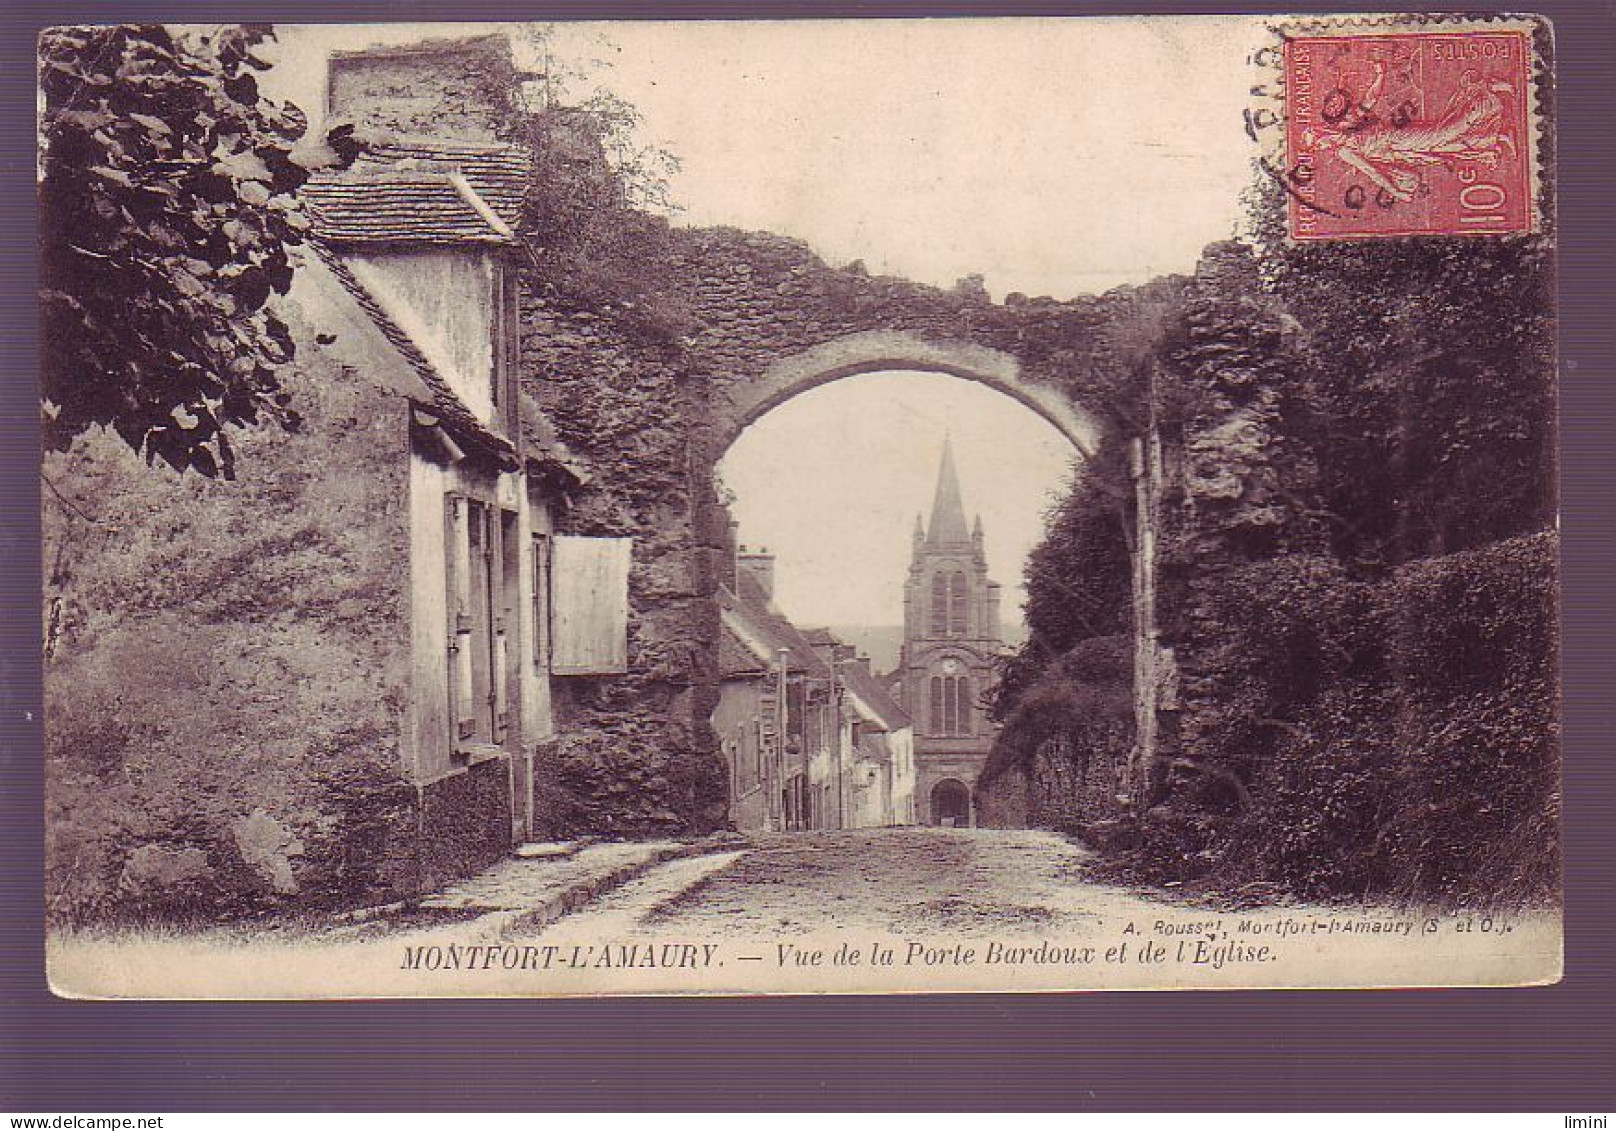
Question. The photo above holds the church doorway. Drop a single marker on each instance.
(951, 803)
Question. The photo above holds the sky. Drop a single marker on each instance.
(1050, 156)
(831, 482)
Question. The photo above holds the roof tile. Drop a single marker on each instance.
(404, 191)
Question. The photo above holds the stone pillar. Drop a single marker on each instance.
(1146, 470)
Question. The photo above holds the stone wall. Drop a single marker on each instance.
(227, 665)
(465, 822)
(1062, 760)
(440, 88)
(1003, 801)
(651, 417)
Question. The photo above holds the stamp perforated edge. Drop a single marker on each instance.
(1267, 121)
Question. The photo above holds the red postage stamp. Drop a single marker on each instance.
(1409, 134)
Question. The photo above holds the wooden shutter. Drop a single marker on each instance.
(507, 562)
(501, 694)
(589, 605)
(457, 570)
(541, 602)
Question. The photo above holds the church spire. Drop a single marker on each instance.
(947, 510)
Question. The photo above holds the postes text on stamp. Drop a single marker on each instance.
(1409, 134)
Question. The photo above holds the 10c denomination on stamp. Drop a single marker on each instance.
(1402, 134)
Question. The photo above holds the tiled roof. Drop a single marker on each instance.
(876, 697)
(735, 659)
(418, 208)
(769, 630)
(445, 405)
(752, 625)
(421, 192)
(499, 174)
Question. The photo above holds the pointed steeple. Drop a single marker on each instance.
(947, 510)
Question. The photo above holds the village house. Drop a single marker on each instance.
(419, 236)
(811, 739)
(345, 662)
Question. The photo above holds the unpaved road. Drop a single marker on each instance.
(931, 881)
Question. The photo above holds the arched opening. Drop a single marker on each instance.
(890, 351)
(951, 803)
(879, 527)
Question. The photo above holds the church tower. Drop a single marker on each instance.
(950, 637)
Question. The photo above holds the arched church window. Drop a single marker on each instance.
(956, 604)
(951, 708)
(939, 604)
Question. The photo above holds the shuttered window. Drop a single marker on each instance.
(480, 574)
(462, 643)
(589, 605)
(541, 602)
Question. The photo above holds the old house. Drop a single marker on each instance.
(329, 681)
(884, 751)
(420, 235)
(811, 739)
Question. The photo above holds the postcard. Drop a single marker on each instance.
(843, 506)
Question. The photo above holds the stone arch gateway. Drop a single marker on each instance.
(651, 409)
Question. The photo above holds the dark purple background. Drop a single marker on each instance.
(1530, 1049)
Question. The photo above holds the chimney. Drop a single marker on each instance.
(760, 564)
(445, 89)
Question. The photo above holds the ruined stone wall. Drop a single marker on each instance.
(651, 416)
(1003, 800)
(634, 753)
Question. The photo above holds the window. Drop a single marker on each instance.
(949, 603)
(956, 604)
(462, 645)
(503, 593)
(480, 575)
(951, 705)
